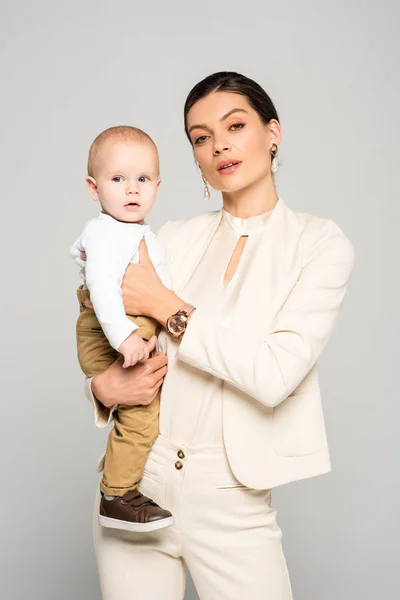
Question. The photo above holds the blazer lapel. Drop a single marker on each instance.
(195, 244)
(273, 272)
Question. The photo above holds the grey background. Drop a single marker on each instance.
(71, 69)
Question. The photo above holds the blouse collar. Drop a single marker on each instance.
(245, 226)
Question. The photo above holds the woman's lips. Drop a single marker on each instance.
(230, 167)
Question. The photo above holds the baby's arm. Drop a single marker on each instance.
(95, 354)
(133, 349)
(109, 247)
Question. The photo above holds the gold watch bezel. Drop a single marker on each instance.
(182, 315)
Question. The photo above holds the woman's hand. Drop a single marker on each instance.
(144, 293)
(132, 386)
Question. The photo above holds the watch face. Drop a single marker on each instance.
(176, 324)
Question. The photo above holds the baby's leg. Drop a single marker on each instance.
(129, 443)
(135, 427)
(122, 506)
(134, 432)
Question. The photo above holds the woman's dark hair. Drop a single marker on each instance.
(227, 81)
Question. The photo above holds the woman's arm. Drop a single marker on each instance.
(137, 385)
(269, 369)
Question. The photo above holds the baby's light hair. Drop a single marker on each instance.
(121, 132)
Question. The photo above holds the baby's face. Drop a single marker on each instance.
(127, 178)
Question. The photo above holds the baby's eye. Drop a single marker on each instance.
(237, 126)
(117, 179)
(201, 139)
(143, 179)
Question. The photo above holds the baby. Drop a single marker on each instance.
(123, 175)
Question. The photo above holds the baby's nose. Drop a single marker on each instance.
(132, 188)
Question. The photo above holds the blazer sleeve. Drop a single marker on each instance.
(102, 415)
(270, 368)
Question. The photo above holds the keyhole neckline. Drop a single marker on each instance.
(245, 226)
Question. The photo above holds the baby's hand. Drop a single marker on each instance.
(133, 349)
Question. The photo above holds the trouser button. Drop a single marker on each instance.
(181, 454)
(178, 465)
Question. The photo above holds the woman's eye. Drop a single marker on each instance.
(237, 126)
(143, 179)
(201, 139)
(117, 179)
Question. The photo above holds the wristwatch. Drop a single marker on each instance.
(176, 323)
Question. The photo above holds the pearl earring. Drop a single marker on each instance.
(207, 194)
(274, 163)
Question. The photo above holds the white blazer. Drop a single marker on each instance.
(273, 425)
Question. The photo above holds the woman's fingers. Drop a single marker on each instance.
(143, 253)
(132, 386)
(157, 368)
(159, 376)
(144, 258)
(151, 344)
(158, 361)
(83, 255)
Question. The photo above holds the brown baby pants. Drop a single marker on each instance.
(135, 427)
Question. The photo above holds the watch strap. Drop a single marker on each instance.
(187, 308)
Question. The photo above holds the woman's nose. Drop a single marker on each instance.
(220, 147)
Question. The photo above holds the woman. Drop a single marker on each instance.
(240, 403)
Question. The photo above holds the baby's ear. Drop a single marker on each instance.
(92, 185)
(159, 180)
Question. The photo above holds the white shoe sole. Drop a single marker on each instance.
(138, 527)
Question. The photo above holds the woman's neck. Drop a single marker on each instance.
(256, 199)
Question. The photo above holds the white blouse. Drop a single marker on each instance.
(191, 399)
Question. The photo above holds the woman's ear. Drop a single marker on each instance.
(275, 132)
(159, 180)
(92, 185)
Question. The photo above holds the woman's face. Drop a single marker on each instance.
(231, 144)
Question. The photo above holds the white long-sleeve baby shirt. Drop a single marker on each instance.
(110, 246)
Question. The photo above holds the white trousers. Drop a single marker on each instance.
(225, 533)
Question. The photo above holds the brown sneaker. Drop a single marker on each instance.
(133, 512)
